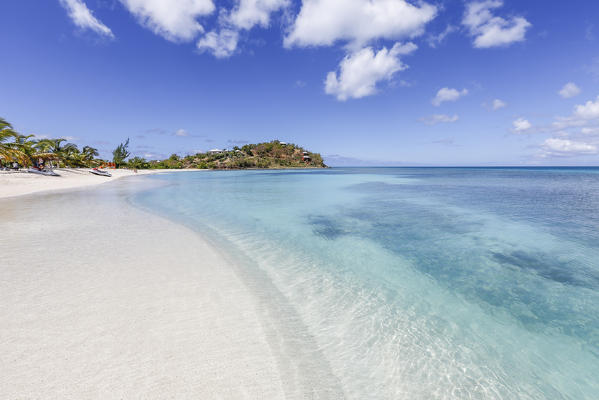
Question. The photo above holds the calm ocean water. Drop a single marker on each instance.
(419, 283)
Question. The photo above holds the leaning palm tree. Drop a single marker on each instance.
(10, 148)
(24, 145)
(56, 145)
(67, 154)
(88, 154)
(72, 155)
(4, 124)
(45, 146)
(6, 135)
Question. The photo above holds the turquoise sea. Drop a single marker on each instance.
(413, 283)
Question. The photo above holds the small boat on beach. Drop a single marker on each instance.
(100, 172)
(45, 171)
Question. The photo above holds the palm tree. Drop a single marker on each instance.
(25, 144)
(67, 154)
(89, 153)
(70, 155)
(10, 148)
(45, 146)
(6, 135)
(22, 149)
(56, 145)
(44, 151)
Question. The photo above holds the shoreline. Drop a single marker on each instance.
(149, 309)
(21, 183)
(15, 184)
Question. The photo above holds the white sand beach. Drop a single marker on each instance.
(99, 300)
(19, 183)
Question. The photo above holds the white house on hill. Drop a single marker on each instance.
(216, 151)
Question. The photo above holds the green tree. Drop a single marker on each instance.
(23, 146)
(120, 154)
(9, 149)
(68, 154)
(88, 154)
(138, 163)
(71, 156)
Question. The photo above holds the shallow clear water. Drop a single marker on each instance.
(421, 283)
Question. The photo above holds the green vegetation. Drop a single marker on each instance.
(120, 154)
(262, 155)
(27, 151)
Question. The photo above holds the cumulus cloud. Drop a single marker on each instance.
(360, 71)
(324, 22)
(574, 135)
(447, 94)
(246, 14)
(83, 17)
(569, 90)
(567, 148)
(221, 44)
(498, 104)
(489, 30)
(584, 115)
(589, 110)
(439, 118)
(178, 20)
(175, 20)
(521, 125)
(181, 132)
(249, 13)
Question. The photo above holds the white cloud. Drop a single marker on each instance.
(521, 125)
(447, 94)
(244, 16)
(83, 17)
(439, 118)
(568, 122)
(497, 104)
(590, 131)
(489, 30)
(324, 22)
(249, 13)
(589, 110)
(181, 132)
(362, 70)
(583, 116)
(566, 147)
(175, 20)
(569, 90)
(221, 44)
(435, 40)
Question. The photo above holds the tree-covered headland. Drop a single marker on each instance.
(27, 150)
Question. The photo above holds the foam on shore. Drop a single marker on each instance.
(101, 300)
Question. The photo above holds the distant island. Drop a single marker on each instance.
(274, 154)
(17, 150)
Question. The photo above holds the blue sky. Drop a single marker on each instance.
(360, 81)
